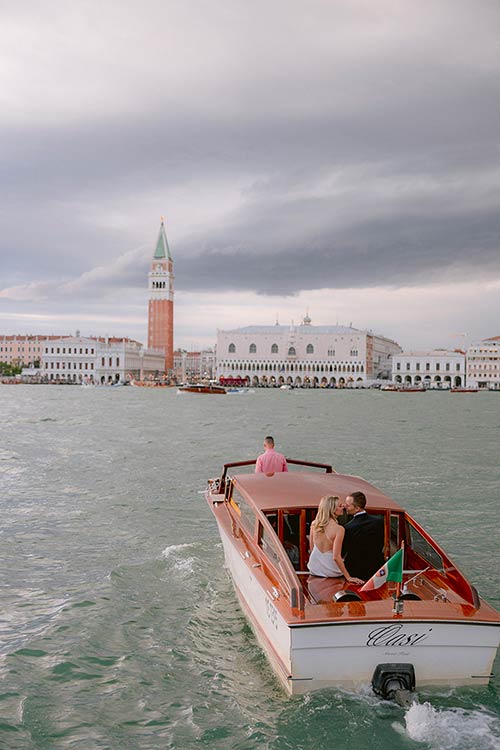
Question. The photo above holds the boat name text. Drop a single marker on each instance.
(395, 635)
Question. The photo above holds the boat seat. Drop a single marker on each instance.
(321, 590)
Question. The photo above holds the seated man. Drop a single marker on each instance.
(363, 548)
(270, 461)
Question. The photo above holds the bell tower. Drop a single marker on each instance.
(161, 300)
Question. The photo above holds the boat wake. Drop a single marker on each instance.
(455, 727)
(181, 561)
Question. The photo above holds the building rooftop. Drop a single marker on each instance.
(303, 328)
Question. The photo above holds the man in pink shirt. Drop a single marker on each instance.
(270, 461)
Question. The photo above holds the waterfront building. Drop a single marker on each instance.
(483, 363)
(23, 351)
(438, 368)
(304, 355)
(161, 301)
(98, 360)
(194, 366)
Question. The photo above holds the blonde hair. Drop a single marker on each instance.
(326, 508)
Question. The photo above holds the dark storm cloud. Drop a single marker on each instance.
(412, 251)
(360, 141)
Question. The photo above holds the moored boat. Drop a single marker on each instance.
(322, 632)
(463, 389)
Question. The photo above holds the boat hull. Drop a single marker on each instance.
(345, 653)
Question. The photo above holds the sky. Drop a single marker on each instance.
(332, 157)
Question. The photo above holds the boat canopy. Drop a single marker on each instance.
(304, 490)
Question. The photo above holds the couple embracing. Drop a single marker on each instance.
(354, 551)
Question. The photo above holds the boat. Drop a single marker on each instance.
(433, 628)
(404, 388)
(239, 391)
(202, 388)
(149, 384)
(463, 389)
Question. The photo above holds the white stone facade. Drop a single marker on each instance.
(438, 368)
(304, 355)
(78, 359)
(483, 364)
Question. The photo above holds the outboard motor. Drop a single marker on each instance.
(395, 682)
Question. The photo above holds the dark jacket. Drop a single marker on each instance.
(363, 547)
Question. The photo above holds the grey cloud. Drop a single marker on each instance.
(361, 139)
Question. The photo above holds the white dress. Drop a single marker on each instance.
(322, 564)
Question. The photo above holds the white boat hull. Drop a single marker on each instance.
(345, 654)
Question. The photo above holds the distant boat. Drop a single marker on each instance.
(239, 391)
(463, 389)
(148, 384)
(202, 388)
(404, 388)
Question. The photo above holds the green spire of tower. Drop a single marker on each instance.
(162, 248)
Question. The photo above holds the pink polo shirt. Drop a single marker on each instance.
(270, 462)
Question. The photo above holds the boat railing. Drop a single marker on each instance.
(251, 462)
(298, 462)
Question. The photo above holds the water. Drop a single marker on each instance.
(119, 628)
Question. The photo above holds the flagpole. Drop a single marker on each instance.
(399, 583)
(398, 602)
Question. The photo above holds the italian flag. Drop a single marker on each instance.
(392, 571)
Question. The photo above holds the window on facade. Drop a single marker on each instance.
(252, 348)
(274, 349)
(407, 365)
(231, 348)
(310, 349)
(118, 361)
(103, 361)
(331, 352)
(427, 366)
(418, 366)
(458, 366)
(292, 352)
(354, 352)
(398, 365)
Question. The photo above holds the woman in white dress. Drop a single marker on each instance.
(326, 539)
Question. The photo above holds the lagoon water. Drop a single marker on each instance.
(119, 628)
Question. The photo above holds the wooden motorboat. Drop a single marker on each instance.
(321, 632)
(463, 389)
(404, 388)
(202, 388)
(149, 384)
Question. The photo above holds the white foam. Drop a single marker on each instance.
(454, 728)
(174, 548)
(174, 553)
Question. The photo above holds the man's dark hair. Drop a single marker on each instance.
(269, 439)
(359, 499)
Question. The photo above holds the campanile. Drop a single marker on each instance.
(161, 300)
